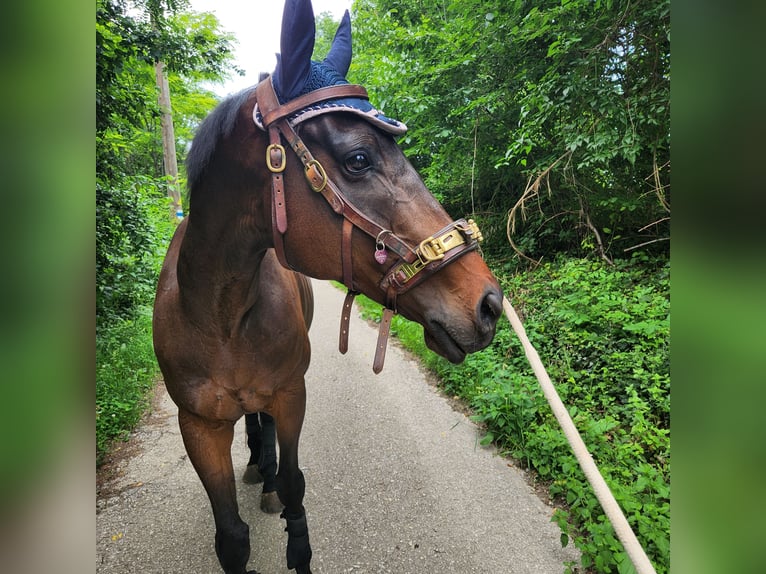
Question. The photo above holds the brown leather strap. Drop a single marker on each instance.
(403, 276)
(267, 99)
(380, 349)
(345, 250)
(396, 278)
(278, 186)
(279, 248)
(278, 210)
(345, 321)
(271, 110)
(340, 204)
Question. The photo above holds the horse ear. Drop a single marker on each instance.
(297, 45)
(340, 52)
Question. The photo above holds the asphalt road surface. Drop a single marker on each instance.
(395, 481)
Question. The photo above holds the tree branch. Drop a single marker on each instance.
(589, 224)
(532, 190)
(645, 243)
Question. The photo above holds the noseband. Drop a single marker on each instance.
(413, 265)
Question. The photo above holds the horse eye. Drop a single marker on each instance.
(357, 162)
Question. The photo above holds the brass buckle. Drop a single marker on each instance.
(409, 270)
(278, 148)
(434, 248)
(316, 175)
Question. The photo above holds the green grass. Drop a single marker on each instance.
(126, 370)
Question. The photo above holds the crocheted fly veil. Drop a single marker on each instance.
(296, 74)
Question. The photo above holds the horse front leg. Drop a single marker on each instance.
(291, 486)
(208, 445)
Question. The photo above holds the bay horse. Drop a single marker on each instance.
(233, 299)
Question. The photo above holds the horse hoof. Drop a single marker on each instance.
(270, 503)
(252, 475)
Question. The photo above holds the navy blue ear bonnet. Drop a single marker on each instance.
(321, 75)
(296, 74)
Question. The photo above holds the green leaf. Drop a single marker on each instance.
(626, 567)
(487, 439)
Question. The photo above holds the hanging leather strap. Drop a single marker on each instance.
(382, 344)
(345, 321)
(276, 160)
(348, 281)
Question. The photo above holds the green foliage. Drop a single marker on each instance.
(128, 138)
(132, 232)
(549, 122)
(603, 333)
(133, 223)
(125, 372)
(325, 32)
(561, 107)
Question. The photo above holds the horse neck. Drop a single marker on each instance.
(226, 238)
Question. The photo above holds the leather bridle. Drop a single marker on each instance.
(414, 264)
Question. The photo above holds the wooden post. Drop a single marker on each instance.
(168, 141)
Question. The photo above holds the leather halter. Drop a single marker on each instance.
(414, 264)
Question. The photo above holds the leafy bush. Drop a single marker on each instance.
(132, 230)
(558, 106)
(133, 224)
(125, 372)
(602, 332)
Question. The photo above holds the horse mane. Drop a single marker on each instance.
(216, 126)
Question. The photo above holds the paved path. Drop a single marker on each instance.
(395, 482)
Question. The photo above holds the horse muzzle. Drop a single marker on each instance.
(453, 339)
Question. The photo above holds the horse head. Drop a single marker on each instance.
(354, 209)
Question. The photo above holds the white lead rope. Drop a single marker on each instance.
(605, 497)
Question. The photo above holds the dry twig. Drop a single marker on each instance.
(531, 191)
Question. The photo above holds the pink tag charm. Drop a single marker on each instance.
(381, 254)
(380, 248)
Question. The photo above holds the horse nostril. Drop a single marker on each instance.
(491, 307)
